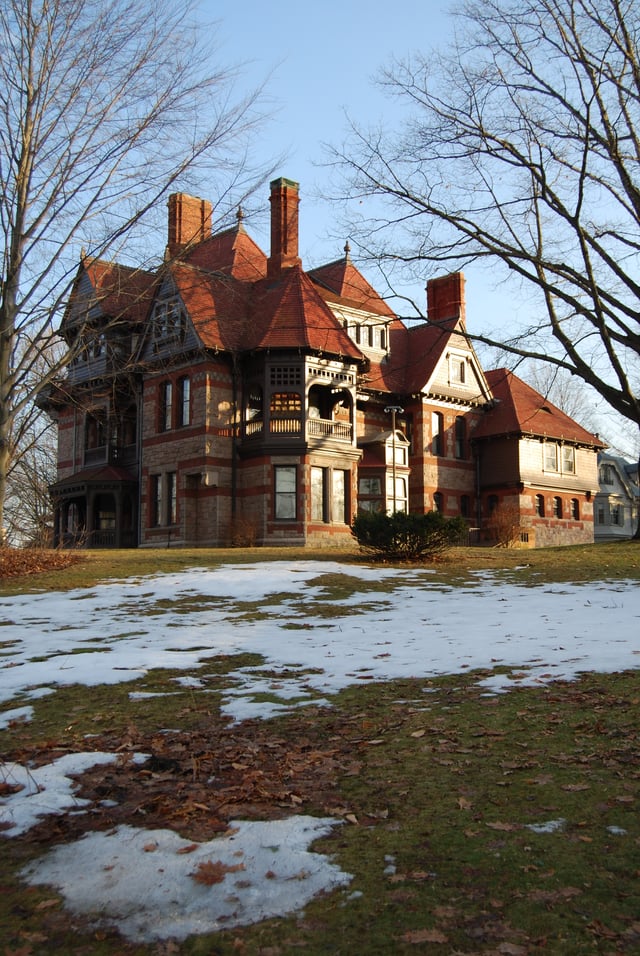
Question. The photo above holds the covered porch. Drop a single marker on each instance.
(96, 508)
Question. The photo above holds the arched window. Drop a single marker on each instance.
(557, 507)
(438, 501)
(575, 509)
(540, 506)
(492, 503)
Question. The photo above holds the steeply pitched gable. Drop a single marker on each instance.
(109, 290)
(340, 281)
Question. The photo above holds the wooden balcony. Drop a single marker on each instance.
(317, 429)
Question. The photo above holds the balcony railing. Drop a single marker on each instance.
(110, 455)
(327, 428)
(318, 428)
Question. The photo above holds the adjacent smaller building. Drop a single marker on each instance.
(618, 500)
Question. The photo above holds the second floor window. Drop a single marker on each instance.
(606, 475)
(437, 437)
(286, 403)
(184, 398)
(166, 406)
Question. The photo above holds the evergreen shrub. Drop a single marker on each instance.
(406, 537)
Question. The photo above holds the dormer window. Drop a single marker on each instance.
(169, 321)
(457, 369)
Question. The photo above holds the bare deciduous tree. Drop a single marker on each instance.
(520, 148)
(104, 106)
(28, 507)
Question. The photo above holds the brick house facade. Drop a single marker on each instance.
(233, 397)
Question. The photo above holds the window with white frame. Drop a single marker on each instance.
(339, 496)
(318, 494)
(550, 456)
(396, 495)
(457, 369)
(568, 457)
(559, 457)
(285, 492)
(370, 493)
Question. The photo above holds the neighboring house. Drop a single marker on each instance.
(233, 397)
(617, 501)
(532, 457)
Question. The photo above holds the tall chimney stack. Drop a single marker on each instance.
(189, 222)
(445, 298)
(284, 201)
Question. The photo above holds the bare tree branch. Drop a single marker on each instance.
(104, 106)
(518, 147)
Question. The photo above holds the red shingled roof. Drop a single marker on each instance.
(218, 305)
(233, 252)
(414, 354)
(120, 290)
(288, 312)
(521, 410)
(349, 286)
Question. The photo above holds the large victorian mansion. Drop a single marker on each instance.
(235, 397)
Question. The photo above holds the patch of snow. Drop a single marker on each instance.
(17, 714)
(143, 880)
(46, 790)
(551, 826)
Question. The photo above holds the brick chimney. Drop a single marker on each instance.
(284, 201)
(445, 298)
(189, 222)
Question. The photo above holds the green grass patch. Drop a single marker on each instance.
(472, 823)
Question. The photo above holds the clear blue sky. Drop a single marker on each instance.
(321, 60)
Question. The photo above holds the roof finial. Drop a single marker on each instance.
(347, 250)
(240, 215)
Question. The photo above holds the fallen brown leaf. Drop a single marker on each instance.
(209, 872)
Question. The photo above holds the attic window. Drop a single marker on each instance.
(169, 321)
(457, 369)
